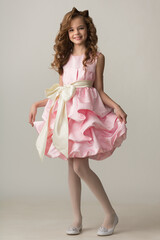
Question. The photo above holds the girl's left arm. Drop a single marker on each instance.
(98, 84)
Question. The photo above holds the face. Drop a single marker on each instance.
(78, 31)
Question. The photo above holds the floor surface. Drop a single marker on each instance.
(37, 219)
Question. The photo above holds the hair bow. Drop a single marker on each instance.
(84, 13)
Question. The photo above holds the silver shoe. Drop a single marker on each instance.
(74, 230)
(102, 231)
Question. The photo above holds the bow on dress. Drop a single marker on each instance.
(60, 130)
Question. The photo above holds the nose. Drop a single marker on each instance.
(77, 31)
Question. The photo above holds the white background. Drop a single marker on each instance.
(129, 37)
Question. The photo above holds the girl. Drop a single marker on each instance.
(80, 121)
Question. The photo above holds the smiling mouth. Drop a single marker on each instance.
(77, 38)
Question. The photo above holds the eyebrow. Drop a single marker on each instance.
(78, 26)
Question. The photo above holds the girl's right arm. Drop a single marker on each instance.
(33, 109)
(42, 103)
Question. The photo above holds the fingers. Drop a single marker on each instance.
(123, 118)
(32, 114)
(31, 119)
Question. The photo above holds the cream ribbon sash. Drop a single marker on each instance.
(60, 131)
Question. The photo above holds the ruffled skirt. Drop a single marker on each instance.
(94, 130)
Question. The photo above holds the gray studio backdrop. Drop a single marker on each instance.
(128, 32)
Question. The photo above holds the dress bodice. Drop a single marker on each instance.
(74, 70)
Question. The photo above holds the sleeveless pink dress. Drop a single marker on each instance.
(94, 130)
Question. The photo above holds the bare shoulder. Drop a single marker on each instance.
(98, 83)
(100, 62)
(100, 54)
(100, 58)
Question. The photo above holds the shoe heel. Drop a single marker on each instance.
(102, 231)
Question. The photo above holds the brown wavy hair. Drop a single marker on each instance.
(63, 47)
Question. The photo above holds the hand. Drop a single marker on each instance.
(32, 114)
(120, 114)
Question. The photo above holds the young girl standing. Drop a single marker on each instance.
(80, 121)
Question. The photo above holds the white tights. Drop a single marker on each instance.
(78, 168)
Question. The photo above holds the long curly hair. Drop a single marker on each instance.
(63, 47)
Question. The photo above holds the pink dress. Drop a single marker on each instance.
(94, 130)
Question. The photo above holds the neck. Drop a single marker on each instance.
(77, 50)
